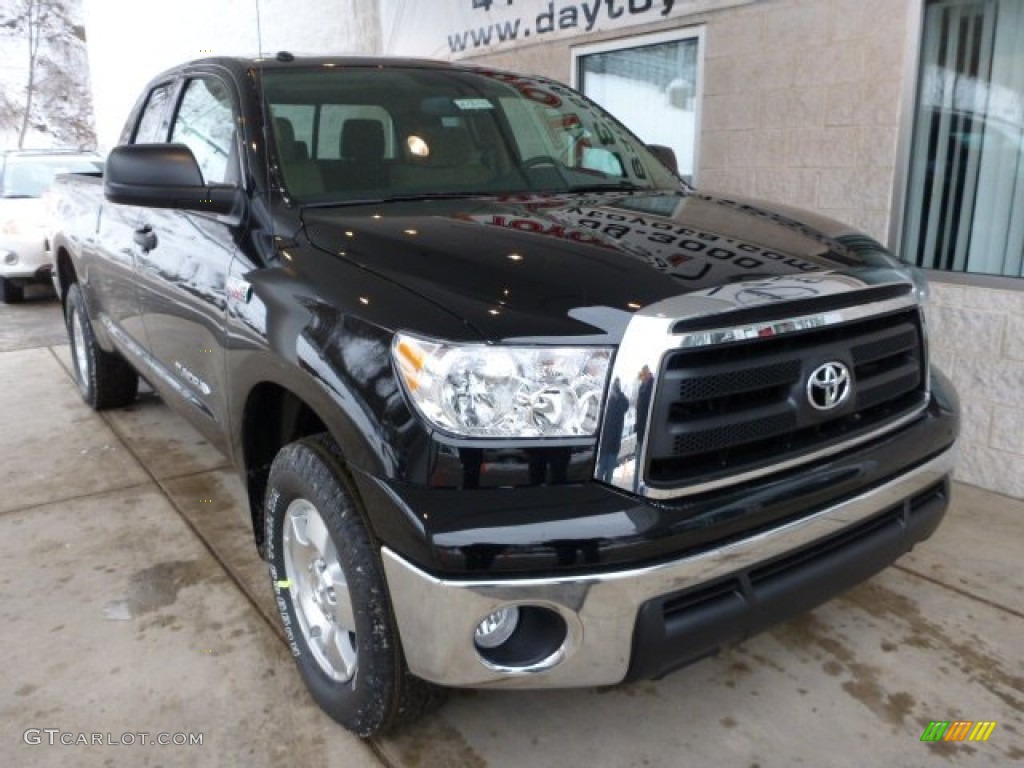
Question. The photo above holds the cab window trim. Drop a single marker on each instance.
(173, 87)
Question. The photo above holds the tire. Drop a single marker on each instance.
(104, 379)
(345, 642)
(10, 292)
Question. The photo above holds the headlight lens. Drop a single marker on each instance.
(22, 228)
(479, 390)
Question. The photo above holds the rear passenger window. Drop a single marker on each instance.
(153, 122)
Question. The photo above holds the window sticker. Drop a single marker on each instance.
(466, 104)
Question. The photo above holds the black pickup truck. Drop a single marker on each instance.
(514, 405)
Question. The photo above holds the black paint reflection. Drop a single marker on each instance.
(614, 421)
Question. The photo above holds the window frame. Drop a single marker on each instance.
(913, 49)
(682, 34)
(173, 87)
(182, 89)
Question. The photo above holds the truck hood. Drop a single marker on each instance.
(571, 266)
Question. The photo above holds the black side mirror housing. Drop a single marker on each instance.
(666, 156)
(163, 176)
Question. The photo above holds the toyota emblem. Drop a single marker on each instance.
(829, 386)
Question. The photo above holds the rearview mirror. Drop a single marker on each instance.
(163, 176)
(666, 156)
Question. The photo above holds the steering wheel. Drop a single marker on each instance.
(539, 160)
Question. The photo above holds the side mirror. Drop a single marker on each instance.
(666, 156)
(163, 176)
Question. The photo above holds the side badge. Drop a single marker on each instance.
(239, 289)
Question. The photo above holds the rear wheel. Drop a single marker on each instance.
(104, 379)
(10, 292)
(331, 592)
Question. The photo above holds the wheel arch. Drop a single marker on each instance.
(67, 275)
(272, 416)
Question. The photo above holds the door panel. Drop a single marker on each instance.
(182, 277)
(182, 280)
(112, 275)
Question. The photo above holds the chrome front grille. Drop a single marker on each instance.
(733, 408)
(713, 404)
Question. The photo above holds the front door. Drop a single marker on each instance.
(182, 273)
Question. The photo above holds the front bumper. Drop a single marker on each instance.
(646, 621)
(24, 257)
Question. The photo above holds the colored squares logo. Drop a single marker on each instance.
(958, 730)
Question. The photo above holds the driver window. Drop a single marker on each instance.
(206, 124)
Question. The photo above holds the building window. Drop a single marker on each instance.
(966, 187)
(652, 84)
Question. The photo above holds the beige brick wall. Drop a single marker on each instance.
(978, 339)
(802, 105)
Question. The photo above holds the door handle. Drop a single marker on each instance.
(145, 238)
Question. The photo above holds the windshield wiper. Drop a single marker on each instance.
(618, 186)
(406, 198)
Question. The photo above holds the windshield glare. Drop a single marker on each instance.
(344, 135)
(31, 176)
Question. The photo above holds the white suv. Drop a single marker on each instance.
(24, 176)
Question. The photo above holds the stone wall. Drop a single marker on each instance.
(802, 105)
(977, 338)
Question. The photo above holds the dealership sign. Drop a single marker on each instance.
(452, 29)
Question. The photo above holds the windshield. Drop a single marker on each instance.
(31, 176)
(345, 135)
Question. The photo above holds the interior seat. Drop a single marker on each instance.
(301, 175)
(439, 157)
(363, 148)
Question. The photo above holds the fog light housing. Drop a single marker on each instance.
(496, 628)
(10, 258)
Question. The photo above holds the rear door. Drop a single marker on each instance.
(111, 277)
(182, 272)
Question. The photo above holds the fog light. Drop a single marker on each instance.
(496, 628)
(10, 258)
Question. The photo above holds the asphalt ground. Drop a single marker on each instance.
(132, 602)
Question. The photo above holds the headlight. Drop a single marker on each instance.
(21, 228)
(479, 390)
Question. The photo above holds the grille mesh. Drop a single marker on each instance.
(743, 405)
(733, 382)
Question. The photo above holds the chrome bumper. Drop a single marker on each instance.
(436, 617)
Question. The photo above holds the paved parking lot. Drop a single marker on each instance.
(132, 601)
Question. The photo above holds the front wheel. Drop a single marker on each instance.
(332, 595)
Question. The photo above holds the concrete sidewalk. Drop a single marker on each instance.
(132, 600)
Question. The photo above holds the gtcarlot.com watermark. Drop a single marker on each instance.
(55, 736)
